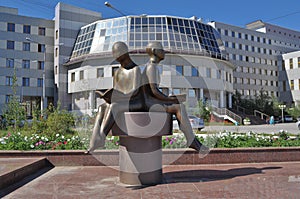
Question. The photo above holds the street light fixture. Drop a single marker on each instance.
(107, 4)
(43, 98)
(282, 107)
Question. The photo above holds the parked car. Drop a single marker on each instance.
(288, 118)
(196, 122)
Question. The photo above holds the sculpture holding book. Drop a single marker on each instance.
(133, 92)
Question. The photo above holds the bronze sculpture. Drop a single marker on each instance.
(170, 104)
(134, 91)
(125, 96)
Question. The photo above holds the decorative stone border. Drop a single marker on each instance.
(170, 156)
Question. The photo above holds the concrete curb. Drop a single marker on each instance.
(170, 156)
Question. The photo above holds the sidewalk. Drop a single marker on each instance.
(256, 180)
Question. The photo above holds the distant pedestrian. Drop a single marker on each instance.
(272, 120)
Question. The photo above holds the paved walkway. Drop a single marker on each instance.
(264, 180)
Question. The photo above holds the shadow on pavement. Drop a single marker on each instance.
(211, 175)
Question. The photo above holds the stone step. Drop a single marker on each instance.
(14, 171)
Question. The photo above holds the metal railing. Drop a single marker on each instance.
(225, 111)
(262, 115)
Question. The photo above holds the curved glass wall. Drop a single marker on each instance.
(176, 34)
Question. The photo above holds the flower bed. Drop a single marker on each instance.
(19, 141)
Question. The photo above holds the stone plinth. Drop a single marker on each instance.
(140, 151)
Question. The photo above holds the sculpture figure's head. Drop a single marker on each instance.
(155, 50)
(120, 50)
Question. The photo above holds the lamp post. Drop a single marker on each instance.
(43, 98)
(282, 107)
(107, 4)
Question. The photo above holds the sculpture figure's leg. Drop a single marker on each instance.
(185, 126)
(96, 140)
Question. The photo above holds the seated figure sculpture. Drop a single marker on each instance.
(170, 104)
(132, 93)
(126, 95)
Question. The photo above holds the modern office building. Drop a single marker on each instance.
(291, 77)
(256, 51)
(195, 62)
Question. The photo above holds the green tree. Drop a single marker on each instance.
(294, 111)
(59, 121)
(14, 112)
(202, 110)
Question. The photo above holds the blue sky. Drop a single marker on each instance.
(234, 12)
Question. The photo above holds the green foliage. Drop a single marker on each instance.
(59, 121)
(14, 112)
(202, 110)
(294, 111)
(262, 102)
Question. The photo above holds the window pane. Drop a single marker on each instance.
(26, 29)
(41, 48)
(42, 31)
(11, 27)
(41, 65)
(10, 63)
(26, 46)
(10, 45)
(179, 70)
(195, 72)
(100, 72)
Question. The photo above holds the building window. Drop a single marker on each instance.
(179, 70)
(25, 81)
(42, 31)
(56, 70)
(7, 98)
(10, 63)
(25, 63)
(219, 72)
(292, 84)
(291, 63)
(284, 86)
(195, 72)
(40, 82)
(26, 29)
(192, 92)
(114, 69)
(176, 91)
(41, 48)
(298, 62)
(208, 72)
(11, 27)
(72, 77)
(26, 46)
(56, 52)
(9, 81)
(56, 34)
(41, 65)
(10, 45)
(100, 72)
(81, 75)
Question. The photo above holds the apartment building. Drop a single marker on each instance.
(26, 52)
(33, 50)
(291, 77)
(256, 51)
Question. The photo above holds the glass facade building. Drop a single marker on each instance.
(178, 35)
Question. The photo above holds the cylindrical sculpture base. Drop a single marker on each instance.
(140, 160)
